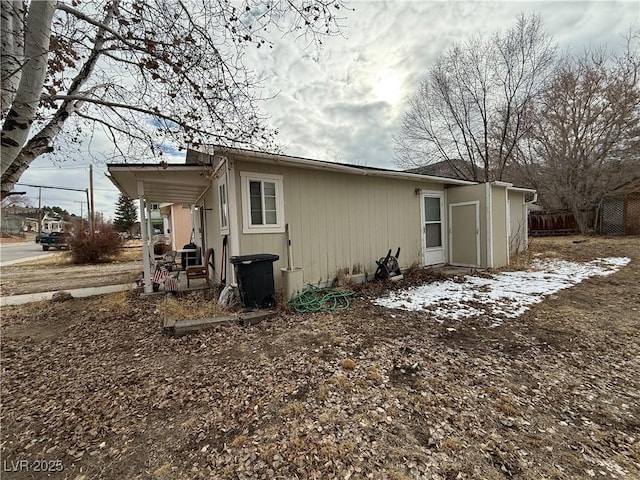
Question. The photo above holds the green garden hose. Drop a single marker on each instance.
(316, 299)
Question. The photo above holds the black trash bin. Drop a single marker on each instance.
(254, 274)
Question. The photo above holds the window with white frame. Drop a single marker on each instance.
(262, 203)
(223, 203)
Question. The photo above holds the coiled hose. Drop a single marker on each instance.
(316, 299)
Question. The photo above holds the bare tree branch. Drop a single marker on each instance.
(584, 138)
(477, 95)
(139, 64)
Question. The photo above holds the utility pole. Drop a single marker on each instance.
(86, 192)
(81, 209)
(39, 209)
(93, 211)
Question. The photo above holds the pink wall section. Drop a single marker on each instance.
(180, 226)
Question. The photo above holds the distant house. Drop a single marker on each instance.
(18, 220)
(340, 218)
(52, 223)
(619, 212)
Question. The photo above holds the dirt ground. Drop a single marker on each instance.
(58, 273)
(94, 389)
(20, 279)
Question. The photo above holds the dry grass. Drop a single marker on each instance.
(347, 364)
(238, 441)
(292, 409)
(129, 254)
(115, 302)
(57, 259)
(64, 258)
(190, 308)
(545, 248)
(374, 375)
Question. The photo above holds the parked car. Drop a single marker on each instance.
(58, 240)
(40, 236)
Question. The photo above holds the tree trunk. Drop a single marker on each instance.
(584, 219)
(12, 38)
(17, 124)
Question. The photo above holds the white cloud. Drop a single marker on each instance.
(330, 108)
(345, 101)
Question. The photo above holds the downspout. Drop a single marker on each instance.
(233, 245)
(146, 261)
(526, 216)
(446, 216)
(489, 211)
(507, 210)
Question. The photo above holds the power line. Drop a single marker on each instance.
(49, 186)
(83, 166)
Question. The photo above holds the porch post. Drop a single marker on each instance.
(233, 245)
(148, 288)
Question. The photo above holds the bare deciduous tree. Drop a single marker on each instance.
(585, 135)
(472, 104)
(144, 71)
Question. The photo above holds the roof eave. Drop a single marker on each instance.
(262, 157)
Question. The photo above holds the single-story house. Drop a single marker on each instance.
(17, 220)
(339, 218)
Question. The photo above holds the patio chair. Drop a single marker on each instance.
(169, 261)
(201, 271)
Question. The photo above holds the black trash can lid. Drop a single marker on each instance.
(257, 257)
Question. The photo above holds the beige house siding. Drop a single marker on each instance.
(339, 222)
(518, 240)
(341, 218)
(499, 219)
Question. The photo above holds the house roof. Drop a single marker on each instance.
(176, 183)
(461, 169)
(278, 159)
(632, 186)
(184, 183)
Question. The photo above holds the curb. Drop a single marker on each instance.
(76, 293)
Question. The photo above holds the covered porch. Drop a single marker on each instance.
(179, 185)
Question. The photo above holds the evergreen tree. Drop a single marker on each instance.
(126, 215)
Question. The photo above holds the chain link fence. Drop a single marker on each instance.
(620, 215)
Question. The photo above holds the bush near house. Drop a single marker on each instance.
(96, 248)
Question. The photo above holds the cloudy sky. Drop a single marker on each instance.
(344, 102)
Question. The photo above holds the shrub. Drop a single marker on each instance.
(96, 248)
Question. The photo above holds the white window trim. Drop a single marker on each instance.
(245, 178)
(224, 230)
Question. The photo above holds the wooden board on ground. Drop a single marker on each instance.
(184, 327)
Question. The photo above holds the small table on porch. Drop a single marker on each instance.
(186, 251)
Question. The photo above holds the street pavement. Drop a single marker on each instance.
(12, 253)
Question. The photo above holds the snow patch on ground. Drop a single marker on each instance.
(500, 296)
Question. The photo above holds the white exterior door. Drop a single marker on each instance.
(432, 213)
